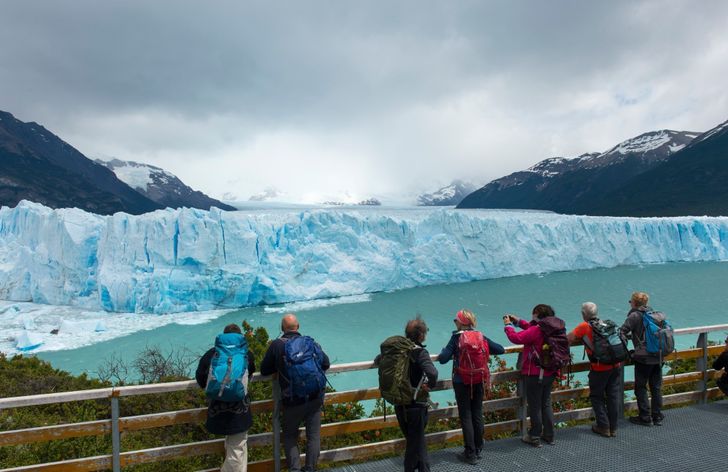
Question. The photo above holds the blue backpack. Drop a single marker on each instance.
(658, 333)
(227, 368)
(303, 360)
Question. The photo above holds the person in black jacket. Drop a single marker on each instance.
(469, 398)
(722, 363)
(295, 410)
(412, 418)
(231, 419)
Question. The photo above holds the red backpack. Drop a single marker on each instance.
(473, 355)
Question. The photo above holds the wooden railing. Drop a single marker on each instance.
(117, 425)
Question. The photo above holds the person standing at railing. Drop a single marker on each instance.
(229, 418)
(469, 379)
(299, 363)
(647, 365)
(537, 380)
(406, 375)
(722, 363)
(606, 350)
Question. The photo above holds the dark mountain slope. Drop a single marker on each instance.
(575, 185)
(37, 165)
(693, 182)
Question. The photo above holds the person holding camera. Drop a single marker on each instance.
(538, 377)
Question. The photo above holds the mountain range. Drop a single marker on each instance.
(161, 186)
(449, 195)
(37, 165)
(660, 173)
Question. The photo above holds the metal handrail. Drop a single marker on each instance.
(115, 393)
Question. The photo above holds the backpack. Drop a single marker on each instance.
(608, 346)
(658, 333)
(555, 354)
(473, 355)
(225, 379)
(394, 371)
(303, 359)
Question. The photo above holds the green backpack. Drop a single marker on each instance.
(394, 371)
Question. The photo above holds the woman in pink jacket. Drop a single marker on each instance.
(537, 382)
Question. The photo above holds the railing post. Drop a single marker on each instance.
(522, 408)
(621, 389)
(276, 425)
(702, 366)
(115, 434)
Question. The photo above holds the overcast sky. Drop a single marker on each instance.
(323, 99)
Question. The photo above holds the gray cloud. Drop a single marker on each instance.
(374, 96)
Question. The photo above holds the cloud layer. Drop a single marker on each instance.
(325, 98)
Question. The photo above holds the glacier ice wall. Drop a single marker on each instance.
(184, 260)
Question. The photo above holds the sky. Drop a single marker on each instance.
(349, 100)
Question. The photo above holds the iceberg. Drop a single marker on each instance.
(181, 260)
(82, 327)
(27, 341)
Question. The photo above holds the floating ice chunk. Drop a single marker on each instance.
(28, 340)
(10, 309)
(27, 322)
(82, 326)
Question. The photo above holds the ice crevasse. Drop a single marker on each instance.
(187, 259)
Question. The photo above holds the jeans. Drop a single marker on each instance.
(605, 390)
(412, 421)
(236, 453)
(652, 374)
(308, 413)
(470, 410)
(538, 396)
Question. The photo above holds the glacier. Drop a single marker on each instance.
(182, 260)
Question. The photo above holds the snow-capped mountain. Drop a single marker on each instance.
(161, 186)
(37, 165)
(449, 195)
(573, 185)
(692, 182)
(268, 195)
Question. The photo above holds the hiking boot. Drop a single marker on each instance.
(640, 421)
(549, 441)
(657, 420)
(612, 433)
(467, 458)
(528, 439)
(600, 431)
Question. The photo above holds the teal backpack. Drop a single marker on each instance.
(228, 368)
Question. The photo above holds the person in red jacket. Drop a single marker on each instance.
(537, 384)
(605, 380)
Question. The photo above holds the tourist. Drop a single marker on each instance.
(606, 351)
(409, 393)
(647, 365)
(300, 364)
(722, 363)
(538, 368)
(229, 418)
(470, 351)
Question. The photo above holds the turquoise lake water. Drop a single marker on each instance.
(692, 294)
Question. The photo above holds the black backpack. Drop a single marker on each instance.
(609, 347)
(556, 354)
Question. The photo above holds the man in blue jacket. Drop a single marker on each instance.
(296, 409)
